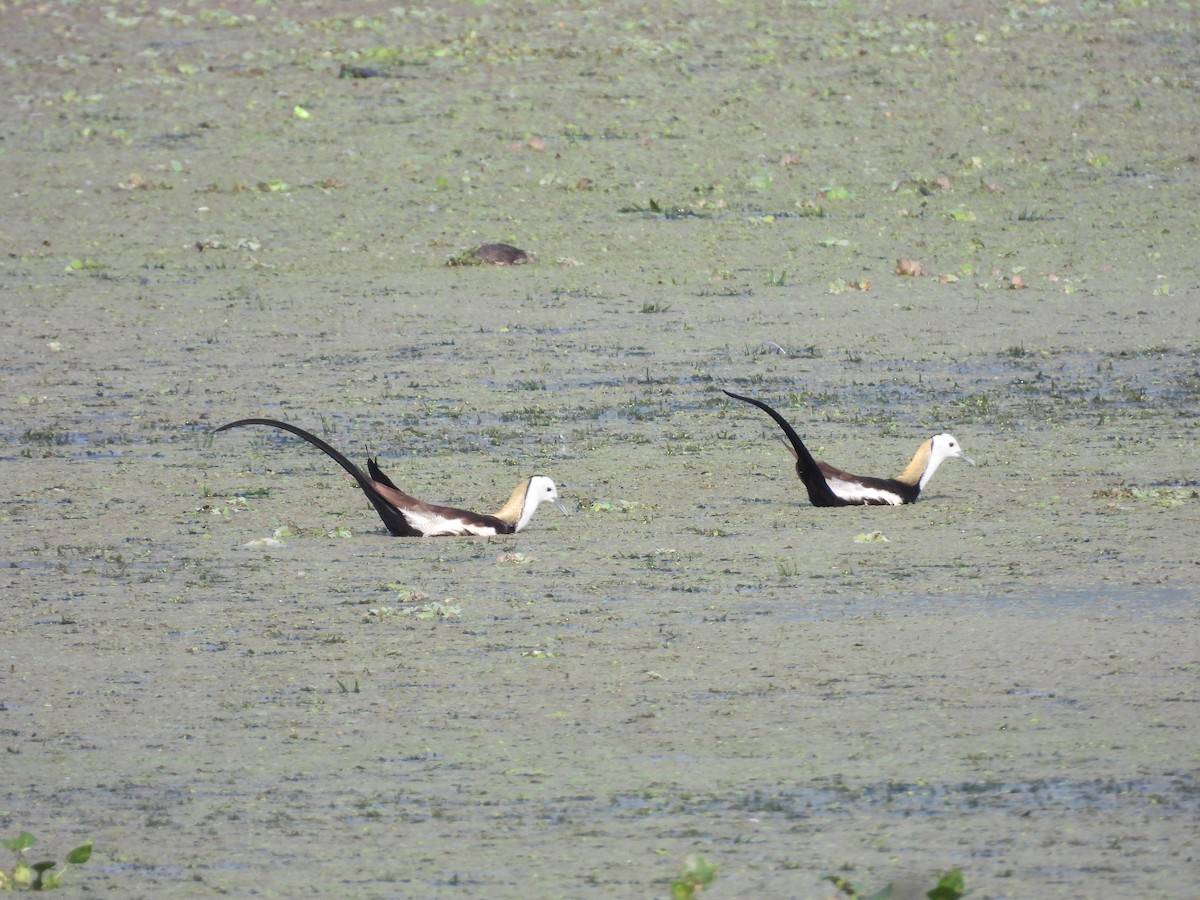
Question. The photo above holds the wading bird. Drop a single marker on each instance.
(406, 516)
(830, 486)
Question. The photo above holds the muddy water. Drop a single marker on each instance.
(203, 222)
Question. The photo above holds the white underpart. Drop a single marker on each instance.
(860, 493)
(436, 526)
(458, 526)
(540, 488)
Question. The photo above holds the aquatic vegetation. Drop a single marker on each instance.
(910, 267)
(38, 876)
(622, 506)
(83, 265)
(840, 285)
(434, 609)
(48, 435)
(950, 886)
(694, 876)
(515, 558)
(1158, 496)
(654, 208)
(531, 415)
(872, 537)
(1034, 214)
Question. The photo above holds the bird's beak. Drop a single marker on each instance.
(966, 459)
(561, 506)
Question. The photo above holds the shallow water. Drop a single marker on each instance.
(696, 661)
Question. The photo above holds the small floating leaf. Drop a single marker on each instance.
(514, 558)
(950, 886)
(871, 537)
(760, 182)
(607, 506)
(435, 610)
(912, 267)
(22, 875)
(696, 874)
(22, 841)
(263, 543)
(80, 854)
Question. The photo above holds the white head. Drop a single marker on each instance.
(539, 488)
(941, 448)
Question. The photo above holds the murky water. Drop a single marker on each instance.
(203, 222)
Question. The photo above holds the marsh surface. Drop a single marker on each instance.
(203, 221)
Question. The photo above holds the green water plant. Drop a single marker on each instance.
(38, 876)
(696, 874)
(950, 886)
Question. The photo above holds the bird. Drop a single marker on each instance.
(406, 516)
(830, 486)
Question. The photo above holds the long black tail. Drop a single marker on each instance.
(819, 491)
(392, 519)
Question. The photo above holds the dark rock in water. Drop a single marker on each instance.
(358, 72)
(491, 255)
